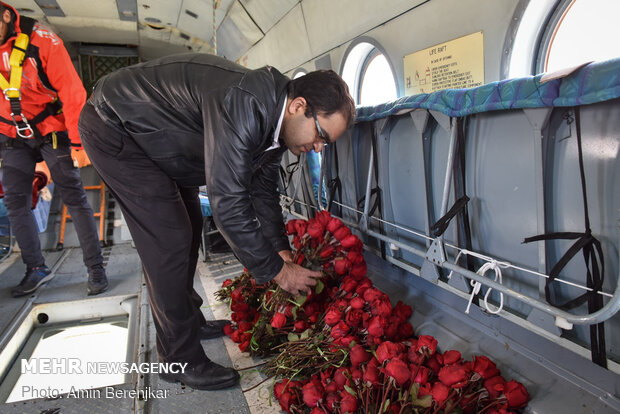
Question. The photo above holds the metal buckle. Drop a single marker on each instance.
(27, 127)
(12, 89)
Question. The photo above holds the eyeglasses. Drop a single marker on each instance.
(322, 137)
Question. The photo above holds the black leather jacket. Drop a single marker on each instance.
(205, 120)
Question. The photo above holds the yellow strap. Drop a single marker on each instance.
(54, 140)
(16, 61)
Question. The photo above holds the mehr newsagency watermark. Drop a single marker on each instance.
(75, 367)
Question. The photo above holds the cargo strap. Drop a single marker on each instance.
(594, 261)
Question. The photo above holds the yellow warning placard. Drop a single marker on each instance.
(458, 63)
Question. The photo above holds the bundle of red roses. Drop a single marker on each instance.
(346, 349)
(265, 316)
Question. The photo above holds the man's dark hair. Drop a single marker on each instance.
(325, 92)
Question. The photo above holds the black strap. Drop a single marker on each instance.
(441, 225)
(376, 191)
(594, 261)
(334, 184)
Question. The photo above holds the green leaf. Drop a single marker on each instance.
(294, 312)
(413, 392)
(319, 287)
(305, 334)
(425, 401)
(386, 406)
(269, 329)
(350, 390)
(292, 337)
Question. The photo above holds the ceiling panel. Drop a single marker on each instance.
(166, 11)
(266, 13)
(196, 18)
(72, 29)
(285, 46)
(36, 13)
(100, 9)
(330, 23)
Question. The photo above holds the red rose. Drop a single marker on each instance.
(421, 377)
(415, 357)
(398, 370)
(405, 330)
(440, 392)
(381, 306)
(331, 387)
(388, 350)
(331, 400)
(316, 230)
(425, 389)
(312, 394)
(342, 266)
(318, 410)
(239, 307)
(348, 403)
(236, 337)
(323, 217)
(290, 227)
(349, 242)
(359, 355)
(356, 374)
(332, 316)
(244, 327)
(342, 233)
(286, 400)
(358, 271)
(301, 326)
(357, 303)
(326, 252)
(227, 282)
(375, 326)
(427, 344)
(243, 346)
(372, 294)
(278, 320)
(516, 394)
(402, 312)
(371, 375)
(355, 257)
(495, 386)
(334, 224)
(354, 317)
(345, 340)
(485, 367)
(341, 376)
(301, 226)
(349, 284)
(434, 363)
(340, 330)
(237, 295)
(454, 376)
(451, 357)
(300, 259)
(280, 387)
(228, 329)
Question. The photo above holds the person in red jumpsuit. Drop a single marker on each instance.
(41, 124)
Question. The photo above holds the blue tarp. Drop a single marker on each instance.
(595, 82)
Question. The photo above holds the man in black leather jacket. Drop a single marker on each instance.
(158, 130)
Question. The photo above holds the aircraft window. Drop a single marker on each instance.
(377, 82)
(369, 75)
(587, 30)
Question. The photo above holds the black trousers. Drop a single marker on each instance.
(165, 221)
(18, 166)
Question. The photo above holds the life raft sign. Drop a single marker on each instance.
(455, 64)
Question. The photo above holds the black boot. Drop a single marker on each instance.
(204, 376)
(212, 329)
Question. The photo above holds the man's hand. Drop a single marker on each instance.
(296, 279)
(286, 255)
(80, 158)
